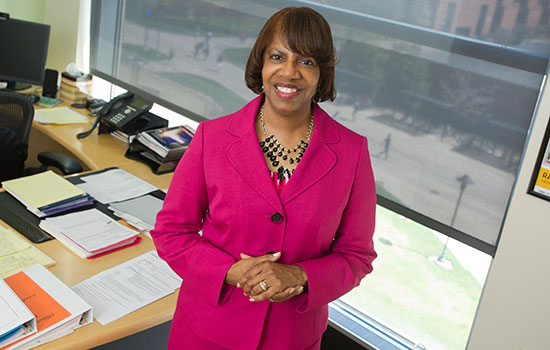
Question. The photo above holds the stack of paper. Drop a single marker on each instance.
(139, 212)
(89, 233)
(147, 276)
(16, 320)
(57, 308)
(114, 185)
(17, 254)
(47, 193)
(58, 115)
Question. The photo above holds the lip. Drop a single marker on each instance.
(283, 94)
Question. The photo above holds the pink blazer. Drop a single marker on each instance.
(222, 187)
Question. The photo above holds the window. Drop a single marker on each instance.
(424, 301)
(444, 91)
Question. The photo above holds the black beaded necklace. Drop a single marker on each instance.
(277, 152)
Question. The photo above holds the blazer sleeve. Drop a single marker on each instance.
(201, 265)
(352, 251)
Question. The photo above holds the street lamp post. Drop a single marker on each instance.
(464, 182)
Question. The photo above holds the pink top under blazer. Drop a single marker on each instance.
(222, 186)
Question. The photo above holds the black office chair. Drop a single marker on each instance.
(16, 115)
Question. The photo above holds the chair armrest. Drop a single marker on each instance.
(67, 165)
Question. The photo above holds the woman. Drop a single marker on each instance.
(285, 199)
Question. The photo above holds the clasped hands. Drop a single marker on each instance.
(281, 282)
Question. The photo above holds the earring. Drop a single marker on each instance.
(261, 89)
(317, 97)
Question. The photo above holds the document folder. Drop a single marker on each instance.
(57, 308)
(16, 320)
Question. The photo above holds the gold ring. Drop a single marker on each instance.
(263, 285)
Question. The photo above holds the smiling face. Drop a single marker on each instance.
(290, 80)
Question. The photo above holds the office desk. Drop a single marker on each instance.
(97, 152)
(94, 152)
(71, 269)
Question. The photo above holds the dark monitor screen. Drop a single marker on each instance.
(23, 51)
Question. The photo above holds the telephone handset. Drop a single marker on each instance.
(124, 112)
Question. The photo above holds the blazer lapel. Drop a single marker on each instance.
(318, 159)
(247, 157)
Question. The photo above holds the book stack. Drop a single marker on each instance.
(75, 89)
(47, 193)
(55, 309)
(161, 148)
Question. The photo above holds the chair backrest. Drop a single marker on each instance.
(16, 115)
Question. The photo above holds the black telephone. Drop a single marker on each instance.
(124, 112)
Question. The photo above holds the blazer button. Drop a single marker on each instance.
(276, 218)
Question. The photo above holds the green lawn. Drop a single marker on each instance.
(411, 294)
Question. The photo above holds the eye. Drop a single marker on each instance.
(276, 57)
(308, 62)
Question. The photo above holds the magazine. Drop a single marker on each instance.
(169, 143)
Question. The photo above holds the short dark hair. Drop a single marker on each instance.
(307, 33)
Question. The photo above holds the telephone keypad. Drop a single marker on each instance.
(117, 118)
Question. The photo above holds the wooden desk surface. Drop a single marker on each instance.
(97, 152)
(94, 152)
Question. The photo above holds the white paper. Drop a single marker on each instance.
(115, 185)
(135, 223)
(54, 334)
(127, 287)
(90, 229)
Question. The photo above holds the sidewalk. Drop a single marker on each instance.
(471, 259)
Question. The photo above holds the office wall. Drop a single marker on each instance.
(70, 21)
(514, 312)
(69, 34)
(28, 10)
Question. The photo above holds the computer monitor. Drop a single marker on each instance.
(23, 52)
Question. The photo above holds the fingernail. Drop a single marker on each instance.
(277, 254)
(291, 291)
(300, 289)
(251, 299)
(238, 285)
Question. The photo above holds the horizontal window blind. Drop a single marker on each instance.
(443, 90)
